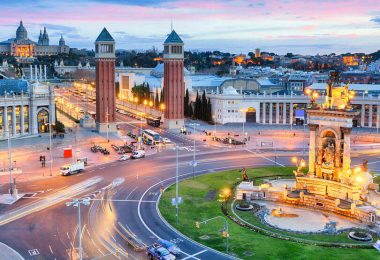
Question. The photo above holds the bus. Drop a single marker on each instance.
(152, 136)
(153, 121)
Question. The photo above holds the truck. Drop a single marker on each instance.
(72, 168)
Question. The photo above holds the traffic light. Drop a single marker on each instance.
(197, 224)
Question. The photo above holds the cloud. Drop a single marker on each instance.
(376, 20)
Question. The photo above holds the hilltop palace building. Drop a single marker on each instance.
(22, 46)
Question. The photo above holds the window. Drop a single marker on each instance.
(166, 49)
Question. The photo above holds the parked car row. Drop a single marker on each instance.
(122, 149)
(134, 155)
(97, 148)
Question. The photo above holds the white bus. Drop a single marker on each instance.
(152, 136)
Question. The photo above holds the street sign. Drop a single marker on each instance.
(179, 201)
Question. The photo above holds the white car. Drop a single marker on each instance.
(138, 154)
(124, 157)
(166, 140)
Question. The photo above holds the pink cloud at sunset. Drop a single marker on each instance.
(248, 24)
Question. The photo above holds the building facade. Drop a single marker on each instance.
(174, 82)
(25, 109)
(231, 107)
(105, 82)
(22, 46)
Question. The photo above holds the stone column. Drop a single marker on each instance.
(264, 113)
(370, 115)
(270, 113)
(337, 160)
(5, 121)
(346, 149)
(22, 119)
(284, 114)
(378, 116)
(291, 114)
(33, 125)
(318, 167)
(14, 123)
(362, 114)
(277, 113)
(312, 147)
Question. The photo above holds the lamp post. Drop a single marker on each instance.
(226, 234)
(10, 160)
(176, 184)
(76, 203)
(194, 163)
(50, 147)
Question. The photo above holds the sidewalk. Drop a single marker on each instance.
(26, 152)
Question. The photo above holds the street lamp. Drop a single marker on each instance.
(76, 203)
(225, 232)
(194, 163)
(176, 184)
(11, 190)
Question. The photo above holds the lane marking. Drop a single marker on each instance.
(51, 250)
(266, 158)
(131, 193)
(192, 256)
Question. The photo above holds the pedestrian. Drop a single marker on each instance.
(40, 157)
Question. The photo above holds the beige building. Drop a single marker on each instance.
(22, 46)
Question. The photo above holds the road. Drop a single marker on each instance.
(124, 198)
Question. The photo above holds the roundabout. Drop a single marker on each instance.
(201, 200)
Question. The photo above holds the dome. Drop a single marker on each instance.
(62, 41)
(230, 91)
(21, 33)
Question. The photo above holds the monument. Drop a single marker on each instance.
(331, 184)
(174, 84)
(105, 82)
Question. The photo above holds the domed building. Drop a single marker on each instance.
(22, 46)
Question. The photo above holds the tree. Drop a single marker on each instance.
(162, 96)
(186, 103)
(156, 100)
(203, 115)
(197, 107)
(59, 127)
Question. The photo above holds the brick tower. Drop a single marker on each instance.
(105, 82)
(174, 84)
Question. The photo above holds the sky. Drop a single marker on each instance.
(281, 26)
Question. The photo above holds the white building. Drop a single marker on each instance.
(232, 107)
(25, 108)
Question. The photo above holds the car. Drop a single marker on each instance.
(138, 154)
(124, 157)
(166, 140)
(171, 247)
(158, 252)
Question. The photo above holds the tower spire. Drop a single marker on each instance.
(171, 25)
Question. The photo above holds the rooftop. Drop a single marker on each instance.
(173, 38)
(13, 86)
(105, 36)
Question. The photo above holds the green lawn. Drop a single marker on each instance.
(200, 201)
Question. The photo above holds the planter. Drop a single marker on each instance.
(360, 236)
(238, 207)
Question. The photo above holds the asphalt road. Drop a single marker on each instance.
(123, 205)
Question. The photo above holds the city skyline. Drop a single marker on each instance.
(234, 26)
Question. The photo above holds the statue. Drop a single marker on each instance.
(365, 166)
(328, 154)
(244, 175)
